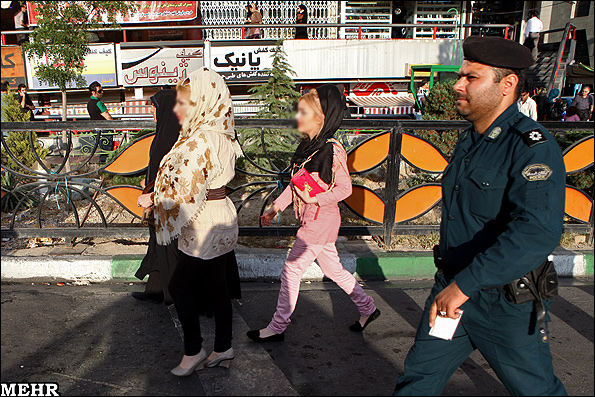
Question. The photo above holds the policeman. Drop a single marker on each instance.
(503, 210)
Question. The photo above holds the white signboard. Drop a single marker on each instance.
(145, 67)
(100, 65)
(242, 63)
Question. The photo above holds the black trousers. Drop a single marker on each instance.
(199, 286)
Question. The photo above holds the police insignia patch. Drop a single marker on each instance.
(537, 172)
(533, 137)
(495, 133)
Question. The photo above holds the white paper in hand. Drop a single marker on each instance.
(444, 327)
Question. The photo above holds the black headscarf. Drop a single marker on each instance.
(167, 131)
(333, 106)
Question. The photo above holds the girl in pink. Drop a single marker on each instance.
(320, 113)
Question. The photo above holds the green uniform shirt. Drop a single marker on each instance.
(503, 202)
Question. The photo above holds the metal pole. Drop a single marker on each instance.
(391, 191)
(359, 34)
(435, 33)
(506, 33)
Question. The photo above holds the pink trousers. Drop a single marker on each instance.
(300, 257)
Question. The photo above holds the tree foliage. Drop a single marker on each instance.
(441, 104)
(18, 141)
(62, 35)
(278, 95)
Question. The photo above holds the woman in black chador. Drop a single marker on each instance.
(160, 261)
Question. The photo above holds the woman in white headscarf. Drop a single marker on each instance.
(191, 205)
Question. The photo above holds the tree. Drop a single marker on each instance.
(441, 104)
(278, 95)
(62, 35)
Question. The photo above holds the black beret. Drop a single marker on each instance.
(497, 51)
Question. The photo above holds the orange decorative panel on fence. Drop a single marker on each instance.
(127, 196)
(578, 205)
(580, 155)
(133, 159)
(369, 154)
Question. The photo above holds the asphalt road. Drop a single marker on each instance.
(97, 340)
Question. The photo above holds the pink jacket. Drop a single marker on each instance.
(325, 228)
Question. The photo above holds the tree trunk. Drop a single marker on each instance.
(64, 132)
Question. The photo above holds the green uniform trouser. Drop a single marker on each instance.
(504, 333)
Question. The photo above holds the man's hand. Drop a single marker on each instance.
(305, 195)
(449, 300)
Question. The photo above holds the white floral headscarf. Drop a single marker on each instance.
(186, 172)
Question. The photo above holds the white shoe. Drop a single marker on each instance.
(223, 360)
(178, 371)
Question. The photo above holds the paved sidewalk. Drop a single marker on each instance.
(97, 340)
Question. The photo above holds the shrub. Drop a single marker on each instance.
(441, 104)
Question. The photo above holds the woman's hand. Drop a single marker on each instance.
(305, 196)
(268, 216)
(144, 201)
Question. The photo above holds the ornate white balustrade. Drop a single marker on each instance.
(273, 12)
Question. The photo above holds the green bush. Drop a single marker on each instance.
(18, 141)
(10, 200)
(18, 144)
(441, 104)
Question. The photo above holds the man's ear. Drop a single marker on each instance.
(509, 84)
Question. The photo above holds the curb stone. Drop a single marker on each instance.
(260, 265)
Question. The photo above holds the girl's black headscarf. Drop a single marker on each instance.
(167, 131)
(333, 106)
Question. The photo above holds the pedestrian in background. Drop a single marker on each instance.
(502, 216)
(301, 18)
(320, 113)
(255, 19)
(423, 92)
(533, 30)
(248, 9)
(556, 105)
(95, 107)
(526, 104)
(21, 22)
(25, 100)
(190, 204)
(160, 261)
(584, 103)
(572, 114)
(542, 104)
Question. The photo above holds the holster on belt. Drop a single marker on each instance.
(440, 264)
(537, 285)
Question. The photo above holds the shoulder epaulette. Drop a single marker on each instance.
(530, 131)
